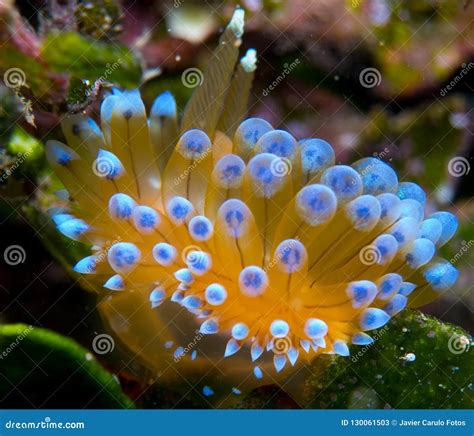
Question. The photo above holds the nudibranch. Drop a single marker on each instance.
(217, 238)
